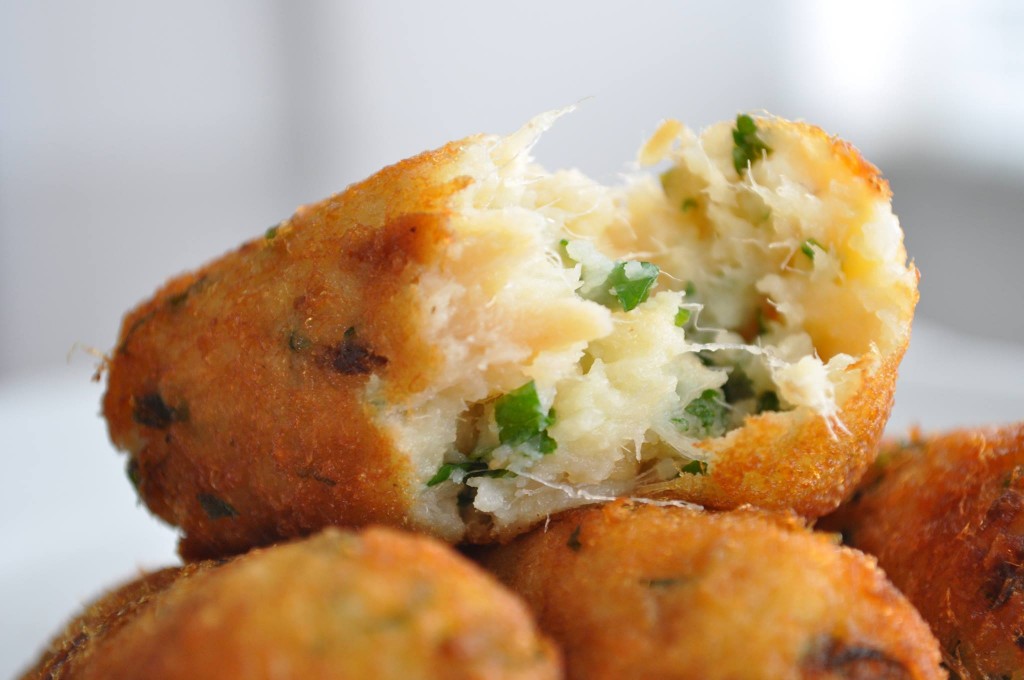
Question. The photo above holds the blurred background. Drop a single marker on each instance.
(138, 140)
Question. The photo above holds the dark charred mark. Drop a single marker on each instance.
(152, 411)
(308, 473)
(214, 507)
(297, 342)
(54, 670)
(178, 299)
(352, 358)
(574, 539)
(854, 662)
(1018, 639)
(1004, 580)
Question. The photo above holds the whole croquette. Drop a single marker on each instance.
(465, 343)
(380, 604)
(945, 517)
(636, 591)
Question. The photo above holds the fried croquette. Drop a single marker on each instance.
(944, 517)
(632, 591)
(381, 604)
(465, 343)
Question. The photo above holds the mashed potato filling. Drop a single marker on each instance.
(593, 336)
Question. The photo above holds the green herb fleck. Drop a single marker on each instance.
(707, 408)
(271, 233)
(748, 146)
(682, 317)
(522, 420)
(134, 475)
(691, 289)
(689, 204)
(297, 342)
(694, 467)
(631, 282)
(472, 468)
(704, 415)
(808, 246)
(663, 582)
(214, 507)
(574, 539)
(768, 401)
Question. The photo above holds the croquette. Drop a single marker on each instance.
(639, 591)
(382, 605)
(465, 343)
(943, 514)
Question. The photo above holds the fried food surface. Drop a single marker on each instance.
(377, 605)
(465, 343)
(642, 591)
(71, 652)
(944, 516)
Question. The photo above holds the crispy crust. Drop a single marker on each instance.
(792, 461)
(377, 605)
(71, 652)
(642, 591)
(239, 391)
(248, 360)
(945, 517)
(796, 460)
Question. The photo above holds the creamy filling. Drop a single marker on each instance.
(594, 336)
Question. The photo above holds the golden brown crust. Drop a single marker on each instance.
(238, 389)
(377, 605)
(945, 517)
(72, 650)
(785, 461)
(642, 591)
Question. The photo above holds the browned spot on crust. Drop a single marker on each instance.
(258, 408)
(352, 358)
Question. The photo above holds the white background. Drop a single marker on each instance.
(139, 140)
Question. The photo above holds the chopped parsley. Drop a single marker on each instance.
(691, 289)
(631, 282)
(297, 342)
(271, 233)
(808, 246)
(689, 204)
(682, 317)
(705, 415)
(472, 468)
(522, 420)
(134, 475)
(694, 467)
(748, 147)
